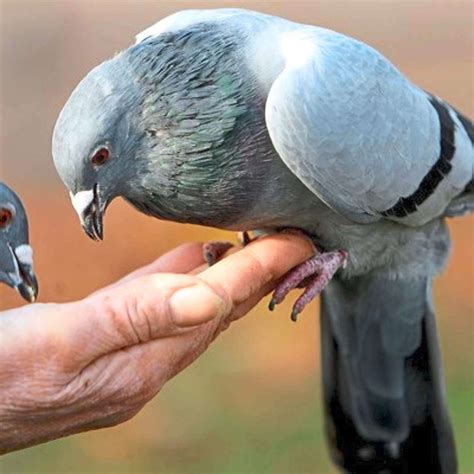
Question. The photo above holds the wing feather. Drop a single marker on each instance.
(354, 129)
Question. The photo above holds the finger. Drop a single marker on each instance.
(253, 271)
(129, 378)
(163, 305)
(160, 359)
(204, 266)
(182, 259)
(136, 312)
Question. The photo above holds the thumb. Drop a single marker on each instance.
(148, 308)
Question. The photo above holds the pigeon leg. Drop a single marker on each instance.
(316, 273)
(213, 251)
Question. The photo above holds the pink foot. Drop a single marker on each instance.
(315, 273)
(213, 251)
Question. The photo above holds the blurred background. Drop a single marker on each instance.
(251, 404)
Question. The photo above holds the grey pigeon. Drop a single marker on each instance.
(239, 120)
(16, 255)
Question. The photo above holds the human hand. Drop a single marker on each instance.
(67, 368)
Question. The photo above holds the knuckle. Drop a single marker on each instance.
(264, 273)
(129, 314)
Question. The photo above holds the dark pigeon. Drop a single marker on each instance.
(16, 255)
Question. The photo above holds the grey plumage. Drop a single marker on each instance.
(383, 382)
(16, 255)
(239, 120)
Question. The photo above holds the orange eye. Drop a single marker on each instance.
(100, 156)
(6, 217)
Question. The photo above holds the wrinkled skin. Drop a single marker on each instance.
(93, 363)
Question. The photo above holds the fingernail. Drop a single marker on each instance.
(195, 305)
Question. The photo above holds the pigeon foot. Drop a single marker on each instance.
(213, 251)
(314, 274)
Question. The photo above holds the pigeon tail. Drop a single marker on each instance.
(383, 387)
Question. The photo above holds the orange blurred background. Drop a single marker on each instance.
(251, 403)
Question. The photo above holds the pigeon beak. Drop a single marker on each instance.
(90, 211)
(28, 288)
(24, 279)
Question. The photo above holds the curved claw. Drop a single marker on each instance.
(294, 315)
(314, 274)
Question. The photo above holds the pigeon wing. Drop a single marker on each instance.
(362, 137)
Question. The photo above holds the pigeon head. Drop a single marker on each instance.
(16, 255)
(93, 137)
(152, 125)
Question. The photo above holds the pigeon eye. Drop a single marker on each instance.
(100, 157)
(6, 216)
